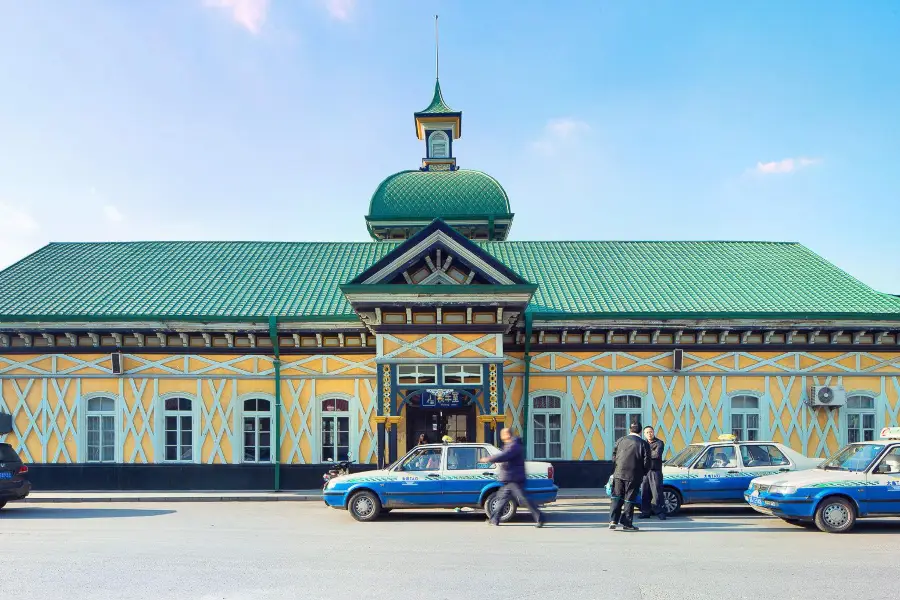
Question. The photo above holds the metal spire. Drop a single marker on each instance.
(437, 52)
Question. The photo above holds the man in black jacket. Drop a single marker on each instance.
(651, 488)
(511, 472)
(632, 458)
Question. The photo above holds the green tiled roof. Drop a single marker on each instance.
(438, 194)
(246, 279)
(437, 106)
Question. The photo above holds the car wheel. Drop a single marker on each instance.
(364, 506)
(509, 511)
(671, 500)
(835, 515)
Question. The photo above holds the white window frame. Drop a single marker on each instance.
(861, 411)
(744, 412)
(350, 413)
(565, 450)
(256, 414)
(82, 448)
(194, 413)
(438, 137)
(422, 373)
(629, 412)
(473, 378)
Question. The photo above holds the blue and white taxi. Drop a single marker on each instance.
(720, 471)
(862, 480)
(435, 476)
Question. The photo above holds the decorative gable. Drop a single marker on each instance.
(436, 269)
(438, 255)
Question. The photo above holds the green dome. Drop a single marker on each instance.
(447, 195)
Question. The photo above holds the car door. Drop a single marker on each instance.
(762, 459)
(417, 480)
(715, 477)
(464, 478)
(883, 491)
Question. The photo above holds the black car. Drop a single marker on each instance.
(14, 484)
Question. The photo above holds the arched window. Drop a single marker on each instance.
(335, 429)
(257, 430)
(101, 430)
(546, 424)
(627, 409)
(439, 145)
(745, 417)
(178, 417)
(860, 418)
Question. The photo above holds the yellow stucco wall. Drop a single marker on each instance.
(47, 396)
(693, 404)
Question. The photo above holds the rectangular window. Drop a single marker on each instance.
(454, 318)
(860, 418)
(335, 438)
(101, 438)
(745, 418)
(179, 437)
(257, 439)
(627, 409)
(547, 443)
(484, 318)
(417, 374)
(462, 374)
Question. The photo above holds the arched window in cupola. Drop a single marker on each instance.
(438, 145)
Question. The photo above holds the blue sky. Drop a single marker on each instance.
(254, 119)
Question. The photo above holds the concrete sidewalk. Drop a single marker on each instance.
(224, 496)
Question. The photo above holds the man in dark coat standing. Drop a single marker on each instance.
(632, 458)
(651, 488)
(511, 472)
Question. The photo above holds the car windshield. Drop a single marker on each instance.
(685, 457)
(855, 457)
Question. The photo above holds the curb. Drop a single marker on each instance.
(38, 499)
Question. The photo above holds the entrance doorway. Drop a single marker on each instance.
(435, 423)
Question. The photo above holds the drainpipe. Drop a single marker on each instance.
(273, 333)
(528, 318)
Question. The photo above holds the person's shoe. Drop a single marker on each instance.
(662, 516)
(630, 528)
(540, 522)
(612, 525)
(491, 523)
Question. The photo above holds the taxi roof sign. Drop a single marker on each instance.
(727, 437)
(890, 433)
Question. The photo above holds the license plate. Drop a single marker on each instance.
(6, 474)
(757, 501)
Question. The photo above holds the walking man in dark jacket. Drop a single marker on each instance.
(632, 458)
(511, 472)
(651, 488)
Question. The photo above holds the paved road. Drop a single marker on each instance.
(262, 551)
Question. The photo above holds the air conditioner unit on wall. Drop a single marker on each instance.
(826, 395)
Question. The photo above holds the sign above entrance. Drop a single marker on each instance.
(440, 399)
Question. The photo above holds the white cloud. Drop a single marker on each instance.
(113, 214)
(342, 10)
(787, 165)
(559, 133)
(249, 14)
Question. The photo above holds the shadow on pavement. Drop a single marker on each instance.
(23, 512)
